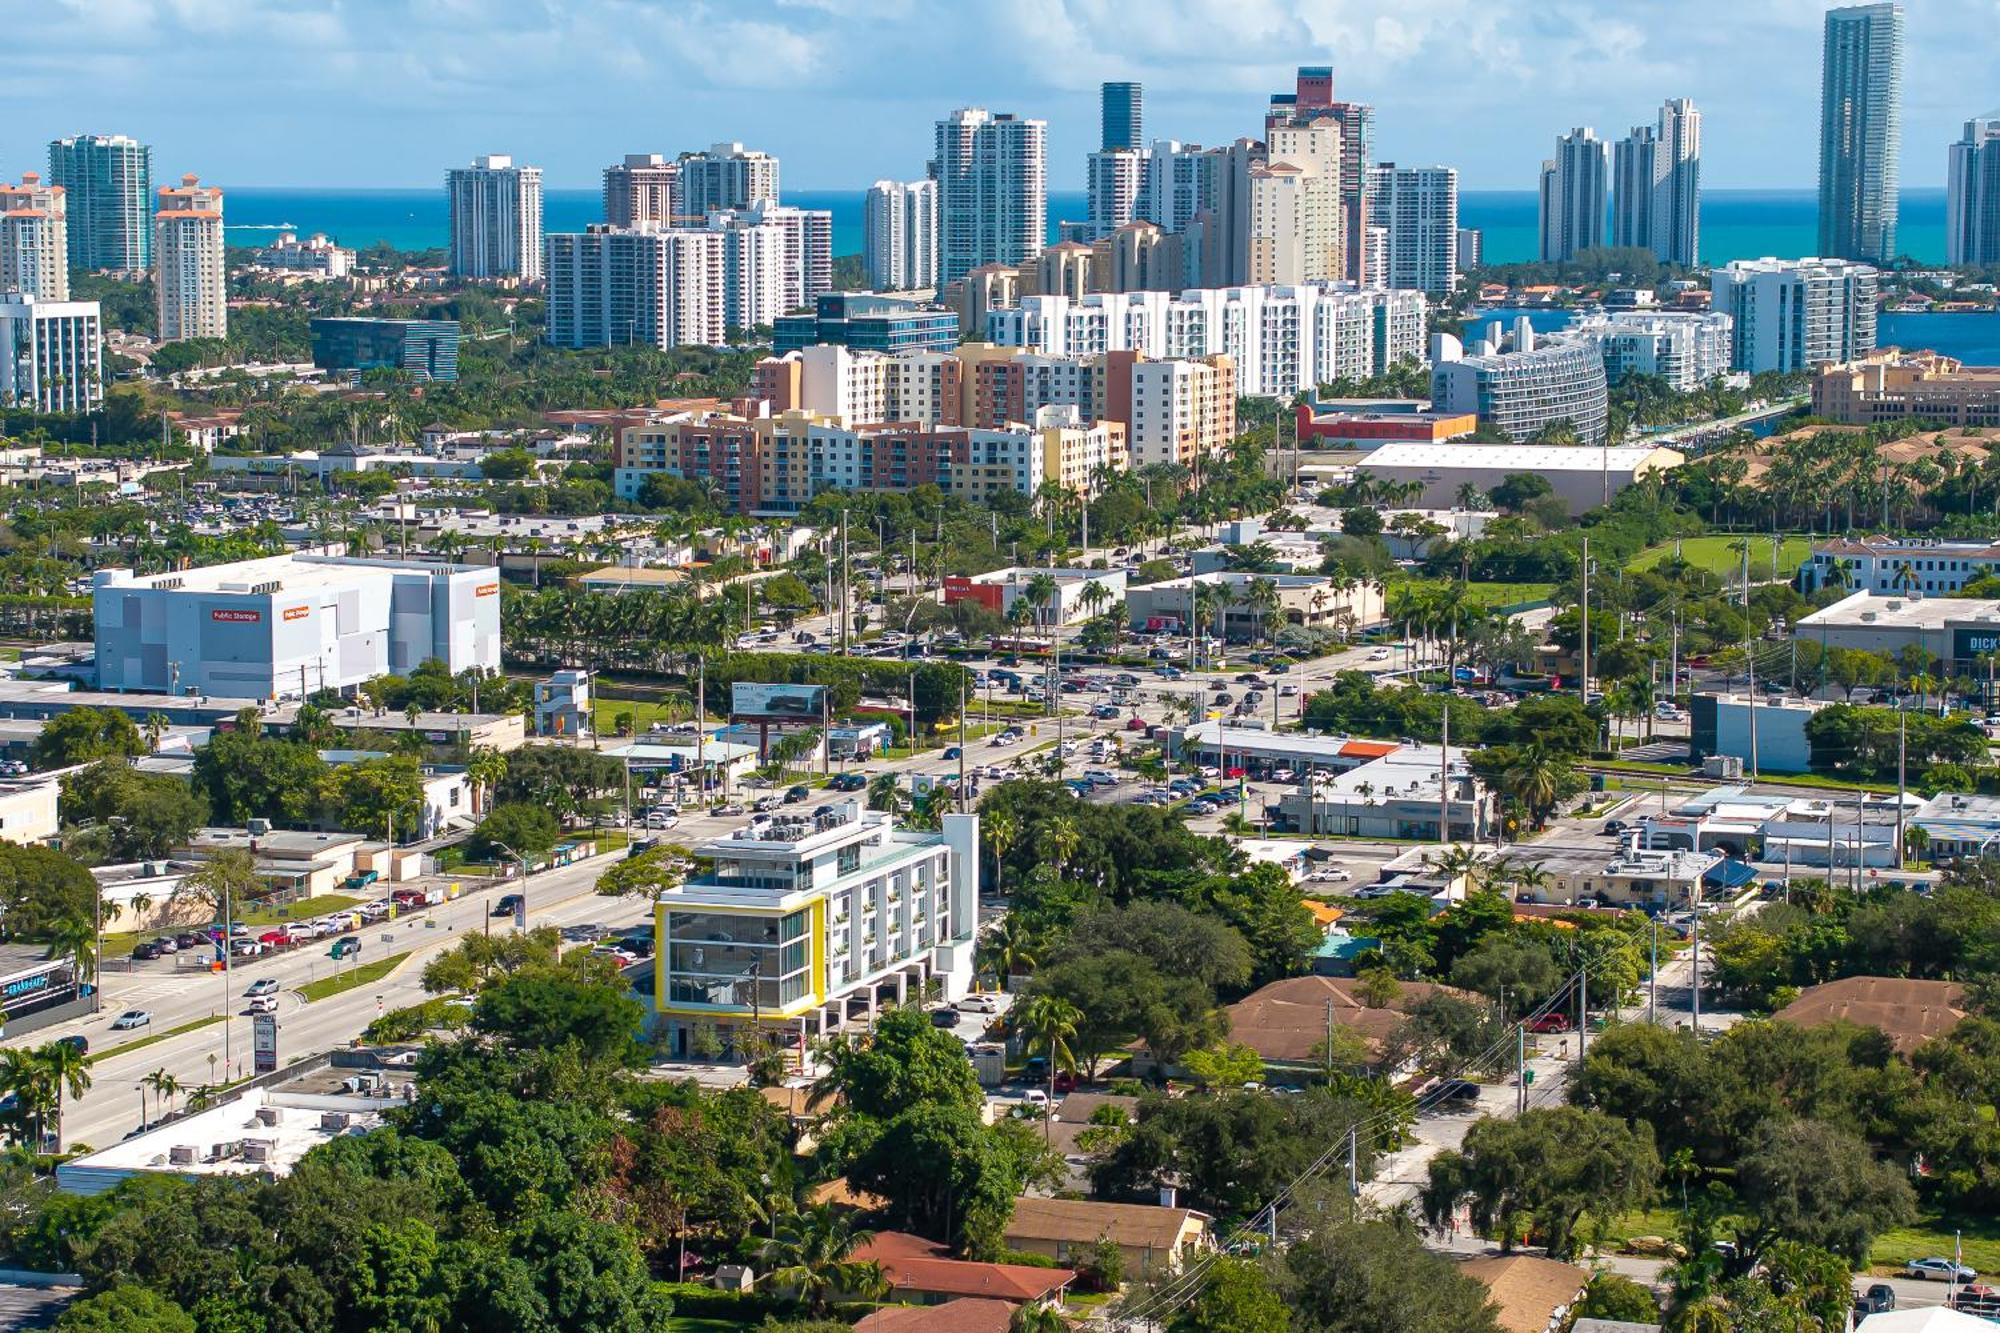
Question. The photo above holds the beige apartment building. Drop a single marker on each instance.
(34, 239)
(1893, 385)
(188, 276)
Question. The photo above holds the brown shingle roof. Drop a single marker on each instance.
(913, 1264)
(1911, 1012)
(1286, 1020)
(970, 1315)
(1082, 1221)
(1529, 1290)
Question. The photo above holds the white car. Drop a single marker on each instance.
(1035, 1102)
(132, 1018)
(1938, 1269)
(1379, 655)
(261, 986)
(1332, 875)
(983, 1003)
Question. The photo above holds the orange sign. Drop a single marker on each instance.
(297, 612)
(486, 590)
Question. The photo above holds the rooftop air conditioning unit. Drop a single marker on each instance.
(218, 1152)
(269, 1115)
(181, 1154)
(257, 1150)
(334, 1122)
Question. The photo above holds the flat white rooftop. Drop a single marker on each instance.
(1864, 609)
(291, 573)
(1513, 457)
(258, 1131)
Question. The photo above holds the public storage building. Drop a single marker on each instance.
(288, 625)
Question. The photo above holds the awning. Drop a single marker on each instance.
(1729, 875)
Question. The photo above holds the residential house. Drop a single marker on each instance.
(924, 1271)
(1288, 1022)
(969, 1315)
(1149, 1238)
(1909, 1012)
(1534, 1295)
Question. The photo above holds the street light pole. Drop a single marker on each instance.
(520, 912)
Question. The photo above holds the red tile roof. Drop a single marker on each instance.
(970, 1315)
(913, 1264)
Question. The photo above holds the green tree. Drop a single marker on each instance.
(84, 734)
(810, 1258)
(129, 1309)
(1546, 1170)
(40, 886)
(1224, 1066)
(547, 1009)
(1376, 1277)
(525, 830)
(1236, 1296)
(1817, 1185)
(647, 875)
(1618, 1298)
(377, 797)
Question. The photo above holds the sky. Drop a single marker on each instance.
(389, 93)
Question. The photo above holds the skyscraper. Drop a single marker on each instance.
(727, 176)
(899, 235)
(992, 177)
(662, 287)
(1656, 186)
(34, 240)
(1972, 229)
(1297, 227)
(1416, 209)
(1573, 196)
(640, 190)
(1795, 314)
(1632, 160)
(1860, 132)
(1116, 179)
(190, 287)
(108, 179)
(1122, 116)
(1676, 224)
(1312, 102)
(496, 219)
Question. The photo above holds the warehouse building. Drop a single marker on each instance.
(1583, 478)
(286, 626)
(1957, 630)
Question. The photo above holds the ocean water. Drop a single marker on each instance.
(1735, 224)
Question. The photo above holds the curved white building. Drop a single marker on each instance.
(1525, 388)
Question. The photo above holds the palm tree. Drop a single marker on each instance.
(485, 768)
(156, 727)
(1050, 1023)
(1062, 838)
(883, 793)
(1002, 829)
(1042, 1318)
(1261, 599)
(1009, 951)
(1916, 840)
(25, 1078)
(162, 1084)
(68, 1070)
(811, 1254)
(1537, 780)
(74, 938)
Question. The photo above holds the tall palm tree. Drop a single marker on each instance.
(1010, 951)
(486, 768)
(24, 1077)
(156, 727)
(1001, 830)
(68, 1070)
(811, 1257)
(1050, 1023)
(74, 938)
(1062, 837)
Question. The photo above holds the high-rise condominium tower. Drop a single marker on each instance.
(1656, 186)
(496, 219)
(188, 277)
(1122, 115)
(728, 176)
(899, 235)
(1972, 230)
(992, 177)
(641, 190)
(1573, 196)
(1860, 132)
(108, 179)
(1416, 210)
(34, 240)
(1312, 102)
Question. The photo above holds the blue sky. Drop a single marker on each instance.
(390, 92)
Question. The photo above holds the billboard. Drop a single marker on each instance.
(264, 1043)
(789, 703)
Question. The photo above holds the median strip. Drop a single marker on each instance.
(362, 975)
(190, 1026)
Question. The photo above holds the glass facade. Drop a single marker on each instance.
(427, 348)
(867, 323)
(739, 961)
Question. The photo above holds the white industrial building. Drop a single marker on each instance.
(1956, 630)
(1767, 734)
(289, 625)
(1583, 478)
(801, 913)
(1891, 566)
(257, 1133)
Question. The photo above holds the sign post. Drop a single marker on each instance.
(264, 1043)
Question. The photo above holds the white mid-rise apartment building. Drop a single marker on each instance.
(1117, 178)
(804, 267)
(1181, 410)
(316, 255)
(899, 235)
(992, 176)
(1686, 349)
(1417, 210)
(798, 914)
(1296, 226)
(190, 285)
(658, 286)
(1282, 340)
(1890, 567)
(51, 354)
(34, 238)
(496, 219)
(725, 178)
(1795, 314)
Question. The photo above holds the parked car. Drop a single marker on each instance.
(1333, 874)
(275, 939)
(188, 939)
(793, 795)
(944, 1018)
(981, 1003)
(1454, 1092)
(1878, 1299)
(246, 947)
(1035, 1102)
(1939, 1269)
(375, 911)
(132, 1018)
(1551, 1022)
(1613, 827)
(506, 905)
(261, 986)
(147, 951)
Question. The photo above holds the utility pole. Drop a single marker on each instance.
(1520, 1068)
(961, 735)
(1353, 1171)
(846, 607)
(1902, 756)
(1750, 660)
(1583, 1011)
(1694, 954)
(1653, 977)
(1583, 626)
(1444, 779)
(701, 726)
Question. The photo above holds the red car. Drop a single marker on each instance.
(274, 939)
(1065, 1081)
(1549, 1023)
(1137, 724)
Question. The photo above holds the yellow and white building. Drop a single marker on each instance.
(806, 919)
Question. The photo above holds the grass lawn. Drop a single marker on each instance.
(152, 1037)
(121, 942)
(1933, 1235)
(604, 713)
(683, 1323)
(1507, 594)
(1713, 554)
(365, 974)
